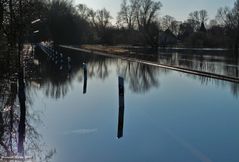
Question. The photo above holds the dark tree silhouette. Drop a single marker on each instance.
(230, 19)
(127, 15)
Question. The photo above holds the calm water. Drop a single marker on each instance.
(73, 115)
(207, 60)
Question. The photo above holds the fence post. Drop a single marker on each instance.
(121, 107)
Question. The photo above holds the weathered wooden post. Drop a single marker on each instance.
(121, 107)
(85, 78)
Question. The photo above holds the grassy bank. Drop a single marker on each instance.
(106, 49)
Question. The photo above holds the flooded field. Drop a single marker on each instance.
(217, 61)
(73, 112)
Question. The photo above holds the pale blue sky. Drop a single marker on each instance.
(176, 8)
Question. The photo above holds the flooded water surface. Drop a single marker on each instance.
(79, 112)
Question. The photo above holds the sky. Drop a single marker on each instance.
(176, 8)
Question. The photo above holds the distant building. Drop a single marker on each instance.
(167, 38)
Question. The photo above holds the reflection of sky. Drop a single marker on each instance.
(181, 120)
(178, 9)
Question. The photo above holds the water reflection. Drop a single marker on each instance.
(206, 60)
(99, 66)
(56, 83)
(19, 138)
(22, 122)
(89, 124)
(234, 87)
(141, 78)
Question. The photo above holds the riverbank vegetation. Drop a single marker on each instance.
(139, 23)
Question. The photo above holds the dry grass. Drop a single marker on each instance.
(106, 49)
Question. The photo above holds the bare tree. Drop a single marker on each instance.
(1, 13)
(167, 21)
(83, 11)
(92, 17)
(100, 21)
(197, 19)
(195, 16)
(230, 20)
(194, 20)
(16, 17)
(203, 15)
(147, 12)
(175, 26)
(126, 16)
(223, 16)
(103, 18)
(147, 22)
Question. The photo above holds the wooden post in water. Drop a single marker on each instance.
(85, 78)
(121, 107)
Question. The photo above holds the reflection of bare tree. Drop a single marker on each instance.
(141, 77)
(218, 63)
(219, 83)
(56, 90)
(235, 89)
(54, 82)
(98, 67)
(221, 63)
(18, 135)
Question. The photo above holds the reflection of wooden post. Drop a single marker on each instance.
(121, 108)
(237, 65)
(69, 64)
(22, 125)
(85, 78)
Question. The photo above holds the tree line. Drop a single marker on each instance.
(138, 23)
